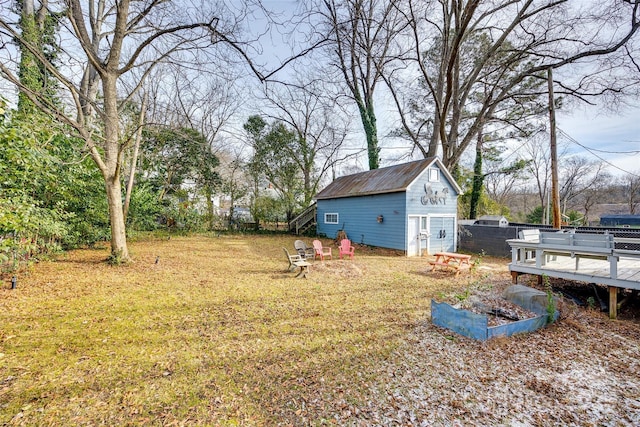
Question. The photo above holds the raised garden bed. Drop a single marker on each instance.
(474, 322)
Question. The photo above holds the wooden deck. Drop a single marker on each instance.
(591, 258)
(589, 270)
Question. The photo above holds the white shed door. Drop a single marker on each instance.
(413, 236)
(443, 234)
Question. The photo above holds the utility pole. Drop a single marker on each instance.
(555, 191)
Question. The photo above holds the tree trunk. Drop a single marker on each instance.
(371, 131)
(111, 170)
(210, 213)
(478, 179)
(119, 249)
(29, 68)
(134, 160)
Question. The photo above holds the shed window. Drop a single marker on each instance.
(434, 175)
(331, 218)
(423, 223)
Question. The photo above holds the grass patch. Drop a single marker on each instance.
(215, 333)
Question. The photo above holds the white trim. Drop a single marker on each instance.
(337, 221)
(421, 175)
(443, 172)
(449, 177)
(406, 233)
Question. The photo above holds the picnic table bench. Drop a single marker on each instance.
(451, 260)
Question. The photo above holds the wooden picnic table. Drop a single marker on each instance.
(451, 260)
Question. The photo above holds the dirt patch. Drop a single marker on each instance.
(591, 296)
(595, 297)
(338, 268)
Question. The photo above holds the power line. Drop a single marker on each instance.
(593, 150)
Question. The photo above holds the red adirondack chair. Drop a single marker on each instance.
(346, 248)
(320, 252)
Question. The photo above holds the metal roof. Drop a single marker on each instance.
(391, 179)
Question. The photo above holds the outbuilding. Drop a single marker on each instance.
(410, 207)
(495, 220)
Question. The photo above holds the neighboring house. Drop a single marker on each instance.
(410, 207)
(498, 220)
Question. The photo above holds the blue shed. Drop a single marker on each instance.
(410, 207)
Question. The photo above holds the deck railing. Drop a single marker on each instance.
(553, 255)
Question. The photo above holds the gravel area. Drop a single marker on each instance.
(584, 370)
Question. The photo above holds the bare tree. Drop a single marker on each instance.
(321, 127)
(492, 173)
(133, 161)
(203, 101)
(501, 186)
(111, 39)
(631, 185)
(236, 183)
(539, 166)
(471, 57)
(594, 193)
(361, 35)
(578, 175)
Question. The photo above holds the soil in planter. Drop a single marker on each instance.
(488, 299)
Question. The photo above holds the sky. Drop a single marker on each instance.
(591, 131)
(611, 137)
(599, 136)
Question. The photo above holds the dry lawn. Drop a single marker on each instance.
(218, 333)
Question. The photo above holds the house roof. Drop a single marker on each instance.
(391, 179)
(491, 218)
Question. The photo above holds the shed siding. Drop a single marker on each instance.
(424, 197)
(438, 198)
(439, 201)
(358, 216)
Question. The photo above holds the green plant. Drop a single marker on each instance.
(463, 296)
(478, 260)
(591, 303)
(145, 208)
(551, 302)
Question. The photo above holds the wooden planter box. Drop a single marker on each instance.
(476, 326)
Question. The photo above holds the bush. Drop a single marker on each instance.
(144, 210)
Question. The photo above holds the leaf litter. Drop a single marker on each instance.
(218, 333)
